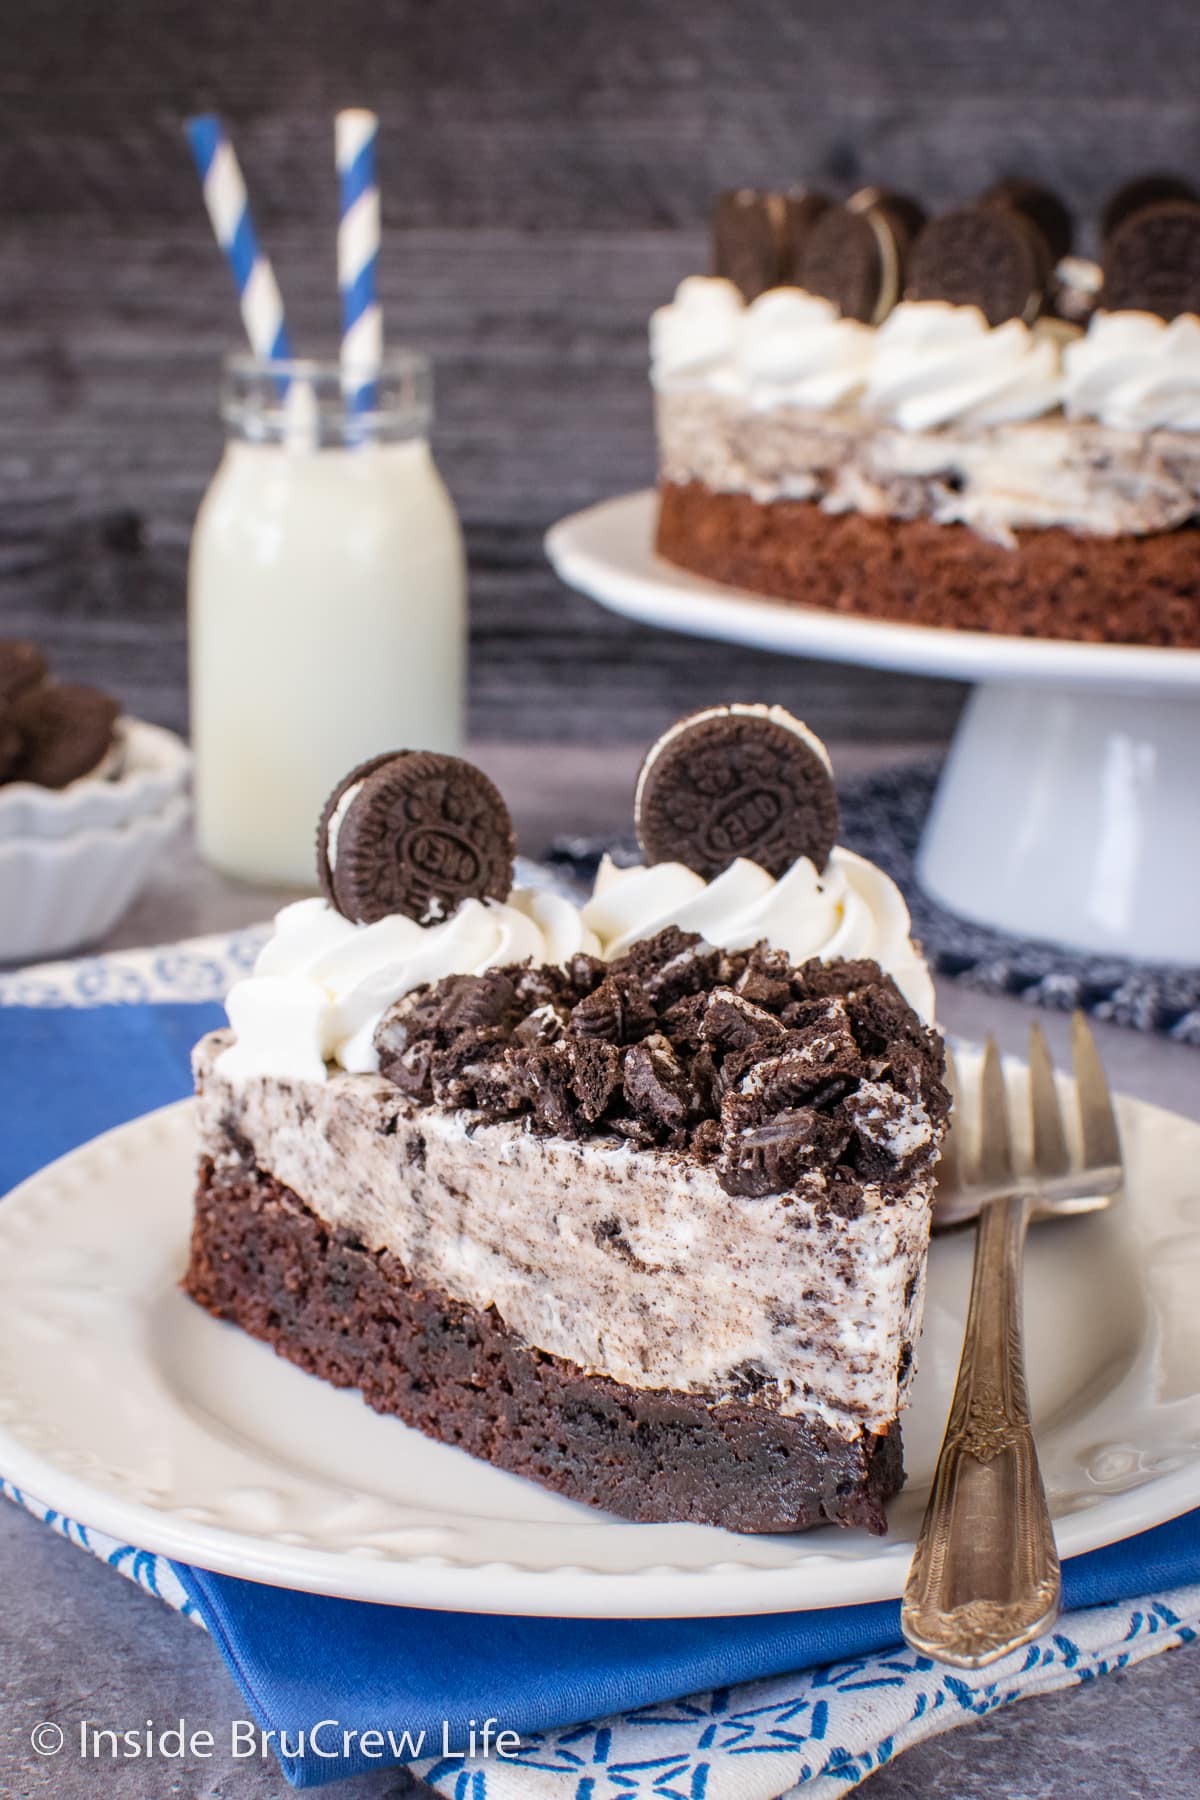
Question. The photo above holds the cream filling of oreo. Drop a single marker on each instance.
(866, 207)
(629, 1263)
(337, 819)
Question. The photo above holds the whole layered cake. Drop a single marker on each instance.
(948, 421)
(631, 1198)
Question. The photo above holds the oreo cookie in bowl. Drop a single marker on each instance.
(89, 798)
(601, 1193)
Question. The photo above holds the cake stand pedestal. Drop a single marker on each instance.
(1069, 806)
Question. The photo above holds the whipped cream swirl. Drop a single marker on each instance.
(788, 347)
(851, 909)
(1136, 372)
(693, 341)
(321, 984)
(795, 349)
(936, 363)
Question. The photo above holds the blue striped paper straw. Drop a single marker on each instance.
(229, 211)
(355, 132)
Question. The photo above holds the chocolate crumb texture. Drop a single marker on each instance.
(775, 1075)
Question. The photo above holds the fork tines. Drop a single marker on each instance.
(972, 1172)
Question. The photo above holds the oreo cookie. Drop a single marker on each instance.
(855, 255)
(736, 781)
(414, 832)
(1039, 206)
(64, 731)
(985, 256)
(1146, 190)
(10, 747)
(1152, 261)
(22, 666)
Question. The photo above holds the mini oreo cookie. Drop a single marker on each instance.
(984, 256)
(1152, 261)
(1134, 196)
(416, 833)
(65, 732)
(854, 255)
(1039, 205)
(732, 781)
(22, 666)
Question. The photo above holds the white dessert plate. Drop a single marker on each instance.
(607, 552)
(126, 1407)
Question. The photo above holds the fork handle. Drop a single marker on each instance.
(985, 1576)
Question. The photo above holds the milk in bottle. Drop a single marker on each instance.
(326, 601)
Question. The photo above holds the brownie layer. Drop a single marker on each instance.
(354, 1317)
(1054, 584)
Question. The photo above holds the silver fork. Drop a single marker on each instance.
(985, 1576)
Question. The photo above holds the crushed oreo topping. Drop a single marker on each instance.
(778, 1077)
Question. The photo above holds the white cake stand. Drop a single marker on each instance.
(1069, 807)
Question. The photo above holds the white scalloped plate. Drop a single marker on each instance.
(126, 1407)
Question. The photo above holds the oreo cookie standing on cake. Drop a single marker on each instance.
(737, 781)
(758, 237)
(414, 832)
(987, 256)
(1040, 206)
(1152, 261)
(747, 240)
(855, 255)
(65, 732)
(1134, 196)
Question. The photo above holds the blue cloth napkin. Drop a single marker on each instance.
(67, 1073)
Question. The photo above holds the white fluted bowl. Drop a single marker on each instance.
(153, 767)
(59, 894)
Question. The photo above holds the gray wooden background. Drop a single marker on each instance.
(547, 169)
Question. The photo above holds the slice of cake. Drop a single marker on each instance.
(641, 1217)
(960, 425)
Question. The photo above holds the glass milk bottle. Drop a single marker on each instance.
(326, 604)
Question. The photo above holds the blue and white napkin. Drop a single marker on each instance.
(685, 1709)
